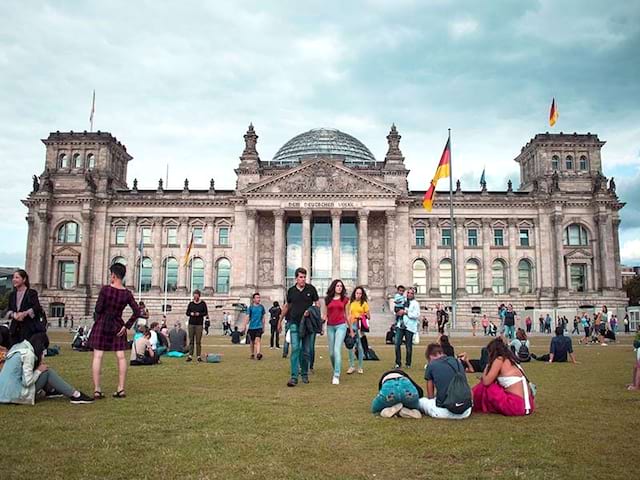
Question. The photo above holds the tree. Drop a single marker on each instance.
(633, 290)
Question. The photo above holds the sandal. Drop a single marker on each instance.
(98, 395)
(120, 394)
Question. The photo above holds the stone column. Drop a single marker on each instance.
(460, 261)
(132, 252)
(85, 253)
(537, 267)
(487, 264)
(183, 238)
(41, 258)
(306, 240)
(278, 249)
(209, 259)
(390, 234)
(604, 245)
(336, 215)
(363, 247)
(434, 268)
(31, 241)
(545, 262)
(513, 257)
(561, 277)
(157, 277)
(238, 250)
(616, 251)
(251, 247)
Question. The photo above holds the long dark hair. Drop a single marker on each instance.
(444, 340)
(497, 348)
(332, 291)
(363, 298)
(40, 343)
(24, 275)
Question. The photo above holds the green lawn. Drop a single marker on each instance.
(237, 419)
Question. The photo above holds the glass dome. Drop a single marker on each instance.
(324, 142)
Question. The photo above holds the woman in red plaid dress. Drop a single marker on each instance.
(109, 332)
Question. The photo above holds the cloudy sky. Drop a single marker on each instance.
(178, 83)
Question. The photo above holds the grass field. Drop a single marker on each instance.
(237, 419)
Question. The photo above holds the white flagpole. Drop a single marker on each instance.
(166, 284)
(140, 269)
(453, 239)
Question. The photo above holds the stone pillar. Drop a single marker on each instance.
(209, 259)
(390, 234)
(42, 256)
(336, 215)
(251, 248)
(616, 251)
(545, 262)
(306, 240)
(537, 267)
(157, 277)
(132, 253)
(561, 277)
(278, 249)
(607, 268)
(183, 238)
(487, 281)
(238, 250)
(434, 268)
(31, 241)
(460, 261)
(363, 247)
(513, 257)
(85, 253)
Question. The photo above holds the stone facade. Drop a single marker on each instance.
(551, 243)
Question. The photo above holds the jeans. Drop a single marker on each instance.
(509, 331)
(408, 337)
(396, 390)
(300, 352)
(49, 380)
(275, 336)
(195, 339)
(335, 337)
(358, 345)
(312, 350)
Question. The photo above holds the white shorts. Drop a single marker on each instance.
(428, 407)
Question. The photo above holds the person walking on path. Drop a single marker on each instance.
(196, 311)
(255, 321)
(336, 302)
(300, 297)
(358, 315)
(485, 324)
(274, 315)
(109, 332)
(406, 328)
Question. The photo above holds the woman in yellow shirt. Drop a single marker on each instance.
(358, 308)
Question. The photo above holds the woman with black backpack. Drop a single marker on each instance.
(520, 346)
(24, 311)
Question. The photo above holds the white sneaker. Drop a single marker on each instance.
(409, 413)
(351, 370)
(360, 371)
(335, 381)
(391, 411)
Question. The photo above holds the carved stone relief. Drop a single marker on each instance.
(376, 250)
(264, 247)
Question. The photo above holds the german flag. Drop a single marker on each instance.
(186, 258)
(441, 172)
(553, 113)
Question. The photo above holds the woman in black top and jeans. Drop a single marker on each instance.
(274, 313)
(24, 311)
(196, 311)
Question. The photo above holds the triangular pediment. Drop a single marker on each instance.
(579, 253)
(321, 176)
(66, 251)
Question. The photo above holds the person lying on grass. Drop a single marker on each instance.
(635, 384)
(25, 374)
(398, 395)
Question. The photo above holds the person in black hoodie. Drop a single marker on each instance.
(196, 312)
(24, 311)
(274, 314)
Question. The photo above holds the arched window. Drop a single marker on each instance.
(498, 276)
(197, 274)
(144, 275)
(77, 160)
(445, 276)
(525, 279)
(555, 162)
(121, 260)
(171, 274)
(472, 277)
(63, 160)
(69, 232)
(223, 274)
(91, 161)
(420, 276)
(575, 235)
(584, 163)
(569, 162)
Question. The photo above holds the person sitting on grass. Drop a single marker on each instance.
(255, 321)
(159, 342)
(520, 346)
(25, 374)
(236, 336)
(142, 350)
(560, 349)
(447, 348)
(398, 395)
(635, 381)
(439, 375)
(178, 339)
(503, 388)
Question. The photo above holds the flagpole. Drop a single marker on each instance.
(453, 239)
(166, 284)
(140, 269)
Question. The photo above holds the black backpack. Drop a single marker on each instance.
(523, 353)
(458, 398)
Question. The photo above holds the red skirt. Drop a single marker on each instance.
(495, 399)
(100, 337)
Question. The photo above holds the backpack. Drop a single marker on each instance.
(458, 398)
(371, 355)
(523, 353)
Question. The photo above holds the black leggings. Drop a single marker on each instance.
(275, 336)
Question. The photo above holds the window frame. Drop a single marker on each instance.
(495, 238)
(472, 289)
(174, 229)
(423, 286)
(445, 240)
(199, 238)
(469, 237)
(147, 238)
(123, 230)
(527, 237)
(226, 236)
(420, 240)
(62, 275)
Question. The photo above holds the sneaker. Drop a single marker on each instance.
(397, 366)
(259, 357)
(335, 381)
(82, 398)
(277, 348)
(409, 413)
(53, 393)
(189, 359)
(391, 411)
(305, 379)
(292, 382)
(270, 348)
(360, 371)
(351, 370)
(199, 360)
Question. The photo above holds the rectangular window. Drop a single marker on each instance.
(578, 277)
(172, 235)
(198, 236)
(446, 237)
(420, 237)
(498, 237)
(472, 237)
(121, 235)
(146, 235)
(524, 237)
(67, 278)
(223, 236)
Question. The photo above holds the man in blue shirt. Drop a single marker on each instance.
(560, 350)
(255, 318)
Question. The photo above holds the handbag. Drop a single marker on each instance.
(364, 324)
(416, 338)
(349, 342)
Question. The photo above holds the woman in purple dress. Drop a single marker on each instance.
(109, 332)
